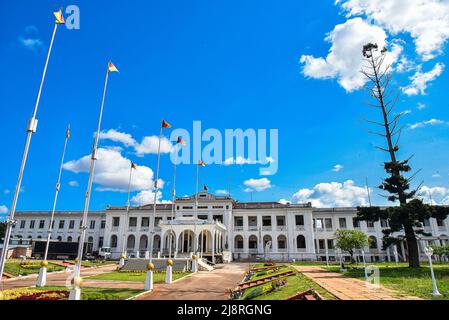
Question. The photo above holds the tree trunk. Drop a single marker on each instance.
(412, 247)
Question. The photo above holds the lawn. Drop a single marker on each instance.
(413, 281)
(158, 277)
(296, 283)
(27, 267)
(95, 263)
(86, 293)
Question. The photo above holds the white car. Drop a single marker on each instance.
(105, 253)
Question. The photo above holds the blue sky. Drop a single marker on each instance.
(229, 64)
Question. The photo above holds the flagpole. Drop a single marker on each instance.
(83, 228)
(32, 126)
(196, 210)
(173, 203)
(128, 203)
(41, 281)
(153, 218)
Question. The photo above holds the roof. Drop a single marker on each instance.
(268, 205)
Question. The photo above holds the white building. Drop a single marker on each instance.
(248, 230)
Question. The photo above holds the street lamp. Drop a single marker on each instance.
(429, 252)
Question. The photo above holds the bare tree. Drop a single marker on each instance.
(411, 213)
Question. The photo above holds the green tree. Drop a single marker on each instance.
(440, 251)
(350, 240)
(409, 216)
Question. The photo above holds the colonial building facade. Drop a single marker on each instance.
(221, 228)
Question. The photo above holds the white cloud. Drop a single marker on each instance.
(421, 106)
(420, 80)
(345, 59)
(149, 145)
(434, 195)
(112, 171)
(338, 168)
(284, 201)
(146, 197)
(74, 183)
(116, 136)
(6, 191)
(333, 194)
(430, 122)
(29, 39)
(436, 175)
(427, 21)
(222, 192)
(257, 184)
(3, 210)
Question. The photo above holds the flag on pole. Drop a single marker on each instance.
(205, 188)
(181, 142)
(59, 17)
(133, 166)
(111, 67)
(67, 135)
(165, 125)
(201, 163)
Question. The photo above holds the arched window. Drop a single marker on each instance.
(282, 242)
(60, 239)
(69, 239)
(372, 242)
(267, 239)
(238, 242)
(131, 243)
(252, 242)
(300, 242)
(143, 242)
(90, 240)
(114, 241)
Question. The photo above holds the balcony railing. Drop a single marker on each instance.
(252, 228)
(300, 228)
(266, 228)
(281, 228)
(239, 228)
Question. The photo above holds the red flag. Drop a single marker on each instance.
(165, 125)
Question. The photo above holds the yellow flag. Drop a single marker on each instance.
(112, 68)
(59, 17)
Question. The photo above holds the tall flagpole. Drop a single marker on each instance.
(196, 210)
(128, 203)
(75, 293)
(41, 281)
(153, 218)
(32, 127)
(170, 238)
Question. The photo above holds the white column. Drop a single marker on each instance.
(213, 246)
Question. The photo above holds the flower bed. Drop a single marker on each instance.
(46, 295)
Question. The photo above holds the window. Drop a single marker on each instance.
(342, 223)
(61, 224)
(92, 224)
(328, 222)
(356, 223)
(384, 223)
(217, 207)
(132, 222)
(60, 239)
(238, 221)
(299, 220)
(100, 242)
(115, 221)
(203, 217)
(252, 221)
(103, 224)
(41, 224)
(426, 223)
(202, 207)
(280, 221)
(69, 239)
(440, 222)
(370, 224)
(282, 242)
(53, 224)
(22, 224)
(72, 224)
(187, 208)
(32, 224)
(330, 244)
(157, 220)
(266, 221)
(252, 242)
(81, 223)
(114, 241)
(238, 243)
(300, 242)
(145, 223)
(318, 223)
(321, 244)
(372, 242)
(218, 217)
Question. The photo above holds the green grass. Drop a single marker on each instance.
(15, 268)
(99, 293)
(295, 284)
(98, 263)
(412, 281)
(159, 277)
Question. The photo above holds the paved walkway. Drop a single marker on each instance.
(204, 285)
(346, 288)
(56, 279)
